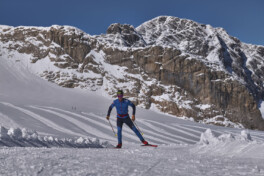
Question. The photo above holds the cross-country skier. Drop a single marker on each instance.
(121, 105)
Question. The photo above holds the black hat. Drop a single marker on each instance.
(120, 92)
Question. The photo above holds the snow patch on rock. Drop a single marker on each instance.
(221, 121)
(261, 108)
(203, 106)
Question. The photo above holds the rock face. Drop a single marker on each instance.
(174, 65)
(127, 34)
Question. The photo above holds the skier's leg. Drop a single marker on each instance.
(119, 130)
(131, 125)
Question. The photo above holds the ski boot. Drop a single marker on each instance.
(145, 142)
(119, 146)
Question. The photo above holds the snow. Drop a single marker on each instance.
(262, 109)
(68, 30)
(221, 120)
(16, 137)
(42, 134)
(223, 155)
(239, 145)
(168, 31)
(164, 30)
(203, 106)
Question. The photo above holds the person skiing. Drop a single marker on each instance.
(121, 105)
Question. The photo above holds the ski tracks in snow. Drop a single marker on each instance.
(43, 120)
(102, 125)
(84, 126)
(92, 125)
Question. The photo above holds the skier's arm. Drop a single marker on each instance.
(109, 110)
(133, 107)
(134, 110)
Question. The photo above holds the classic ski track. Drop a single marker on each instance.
(44, 120)
(87, 128)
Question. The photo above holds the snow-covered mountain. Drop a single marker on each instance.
(44, 127)
(172, 65)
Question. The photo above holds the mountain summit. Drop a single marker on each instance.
(173, 65)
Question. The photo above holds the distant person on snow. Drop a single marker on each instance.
(121, 105)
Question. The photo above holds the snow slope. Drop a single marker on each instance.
(35, 113)
(49, 55)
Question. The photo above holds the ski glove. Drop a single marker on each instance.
(107, 117)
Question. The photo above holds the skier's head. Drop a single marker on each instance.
(120, 94)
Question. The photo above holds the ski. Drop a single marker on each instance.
(150, 145)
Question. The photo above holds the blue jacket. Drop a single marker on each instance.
(122, 108)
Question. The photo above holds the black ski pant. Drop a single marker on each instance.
(130, 124)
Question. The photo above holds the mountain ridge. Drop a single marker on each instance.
(172, 64)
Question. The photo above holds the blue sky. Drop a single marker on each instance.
(243, 19)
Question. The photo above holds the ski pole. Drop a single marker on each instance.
(112, 127)
(138, 129)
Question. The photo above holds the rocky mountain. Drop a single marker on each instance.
(176, 66)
